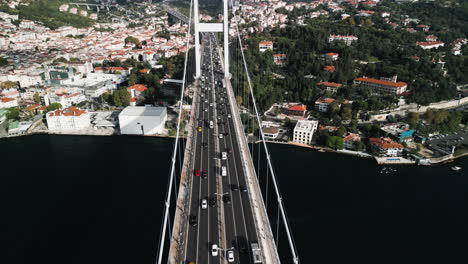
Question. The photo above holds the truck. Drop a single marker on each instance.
(256, 252)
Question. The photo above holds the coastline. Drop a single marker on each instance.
(379, 160)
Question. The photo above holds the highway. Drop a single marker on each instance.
(229, 223)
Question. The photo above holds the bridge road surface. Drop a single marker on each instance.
(239, 227)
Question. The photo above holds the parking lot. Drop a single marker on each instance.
(446, 141)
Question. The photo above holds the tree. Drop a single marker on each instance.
(132, 79)
(105, 97)
(121, 97)
(13, 114)
(360, 146)
(346, 113)
(239, 100)
(9, 84)
(3, 62)
(413, 119)
(53, 106)
(341, 131)
(37, 98)
(133, 40)
(335, 142)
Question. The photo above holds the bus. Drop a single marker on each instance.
(256, 252)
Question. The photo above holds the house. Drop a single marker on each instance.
(383, 86)
(330, 86)
(399, 131)
(350, 140)
(304, 130)
(331, 56)
(142, 120)
(6, 102)
(322, 104)
(386, 147)
(145, 71)
(270, 132)
(265, 45)
(16, 128)
(137, 90)
(424, 28)
(279, 59)
(347, 39)
(430, 44)
(329, 68)
(295, 110)
(71, 118)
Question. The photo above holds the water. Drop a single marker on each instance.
(69, 199)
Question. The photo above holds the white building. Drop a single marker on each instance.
(66, 100)
(142, 120)
(71, 118)
(347, 39)
(6, 102)
(386, 147)
(304, 130)
(271, 132)
(265, 45)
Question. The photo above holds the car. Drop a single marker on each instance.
(204, 175)
(212, 201)
(230, 256)
(204, 203)
(204, 144)
(227, 199)
(199, 129)
(234, 187)
(197, 173)
(243, 189)
(229, 115)
(214, 250)
(229, 150)
(221, 135)
(193, 220)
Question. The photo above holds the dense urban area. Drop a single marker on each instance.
(381, 79)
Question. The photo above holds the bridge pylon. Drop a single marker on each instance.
(211, 27)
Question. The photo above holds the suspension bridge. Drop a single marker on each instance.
(215, 208)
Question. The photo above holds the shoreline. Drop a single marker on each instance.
(290, 143)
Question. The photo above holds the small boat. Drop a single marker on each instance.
(456, 168)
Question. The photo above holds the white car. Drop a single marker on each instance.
(214, 250)
(230, 256)
(229, 115)
(204, 204)
(220, 135)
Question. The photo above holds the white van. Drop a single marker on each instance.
(223, 171)
(211, 124)
(223, 155)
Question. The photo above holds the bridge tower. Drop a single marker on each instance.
(211, 27)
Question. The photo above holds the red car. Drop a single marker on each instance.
(197, 172)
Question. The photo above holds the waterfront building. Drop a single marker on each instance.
(304, 130)
(6, 102)
(350, 140)
(142, 120)
(271, 132)
(71, 118)
(386, 147)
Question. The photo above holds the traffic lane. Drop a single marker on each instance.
(193, 239)
(236, 172)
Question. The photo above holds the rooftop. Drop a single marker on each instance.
(143, 111)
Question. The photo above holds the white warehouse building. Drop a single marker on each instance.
(304, 130)
(142, 120)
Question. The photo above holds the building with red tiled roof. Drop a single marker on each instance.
(146, 71)
(382, 85)
(137, 90)
(350, 140)
(279, 59)
(429, 44)
(6, 102)
(331, 56)
(322, 104)
(295, 110)
(386, 147)
(330, 86)
(71, 118)
(265, 45)
(329, 68)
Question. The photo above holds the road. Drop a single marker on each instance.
(229, 225)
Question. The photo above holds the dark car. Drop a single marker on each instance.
(227, 199)
(193, 220)
(204, 175)
(234, 187)
(204, 144)
(228, 150)
(212, 201)
(243, 189)
(226, 133)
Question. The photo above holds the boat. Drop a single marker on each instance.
(456, 168)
